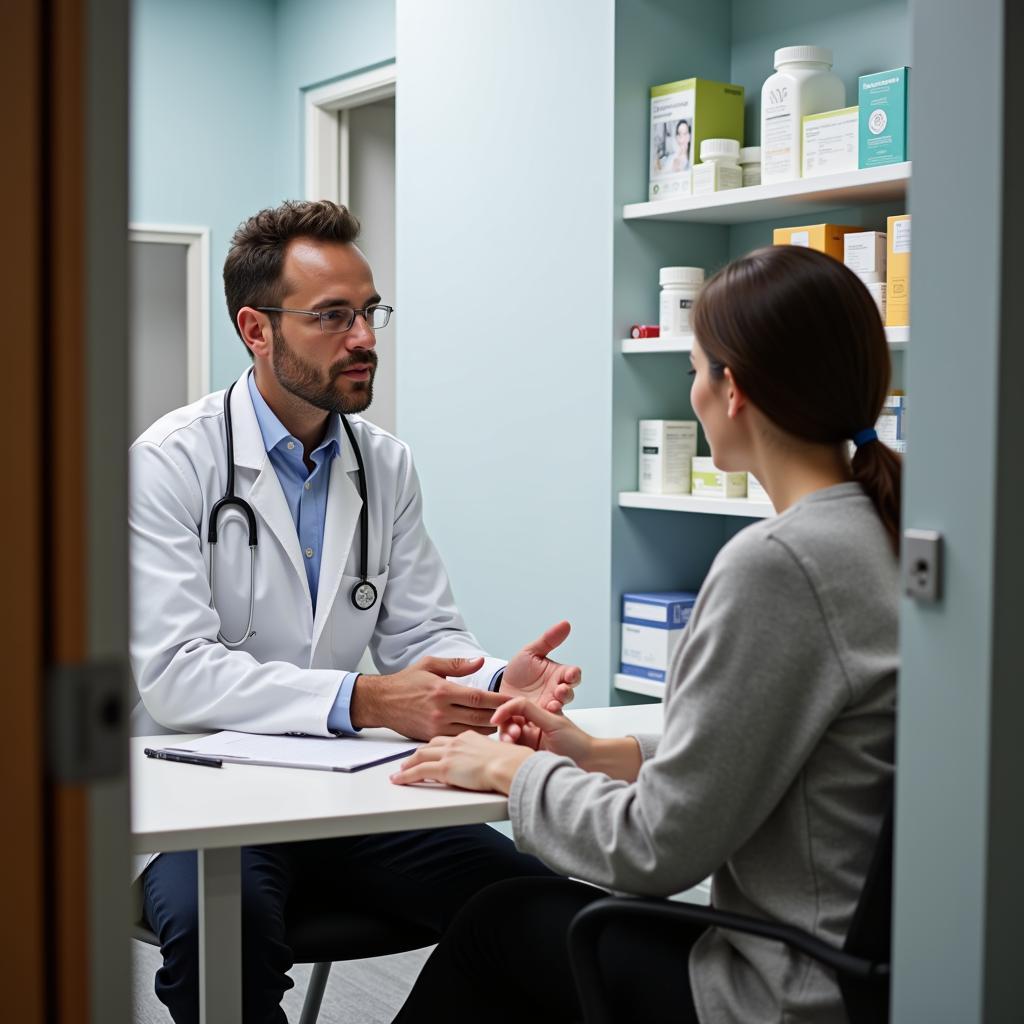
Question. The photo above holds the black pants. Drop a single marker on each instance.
(504, 960)
(423, 877)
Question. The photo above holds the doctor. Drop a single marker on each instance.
(275, 535)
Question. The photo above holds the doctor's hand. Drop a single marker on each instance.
(421, 703)
(532, 674)
(468, 761)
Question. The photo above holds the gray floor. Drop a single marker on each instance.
(359, 992)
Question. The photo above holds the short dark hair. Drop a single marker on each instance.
(254, 269)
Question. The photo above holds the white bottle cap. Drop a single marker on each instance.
(711, 149)
(680, 275)
(806, 54)
(750, 155)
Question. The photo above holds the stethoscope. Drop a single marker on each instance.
(364, 593)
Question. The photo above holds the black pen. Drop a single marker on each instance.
(170, 755)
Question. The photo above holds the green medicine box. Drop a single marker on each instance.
(683, 115)
(882, 135)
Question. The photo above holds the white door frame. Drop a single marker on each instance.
(197, 292)
(326, 128)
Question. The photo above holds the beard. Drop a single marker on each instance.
(305, 381)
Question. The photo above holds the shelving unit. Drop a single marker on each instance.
(898, 337)
(731, 42)
(634, 684)
(690, 503)
(785, 199)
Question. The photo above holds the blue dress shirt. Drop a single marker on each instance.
(306, 493)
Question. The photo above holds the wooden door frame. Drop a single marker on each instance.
(63, 66)
(23, 970)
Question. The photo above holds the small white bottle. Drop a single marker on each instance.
(750, 165)
(718, 168)
(679, 289)
(803, 84)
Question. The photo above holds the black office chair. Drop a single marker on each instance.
(322, 937)
(861, 966)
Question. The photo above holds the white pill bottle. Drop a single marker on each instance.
(680, 287)
(803, 84)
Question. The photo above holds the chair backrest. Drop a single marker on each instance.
(870, 933)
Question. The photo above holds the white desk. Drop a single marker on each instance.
(218, 811)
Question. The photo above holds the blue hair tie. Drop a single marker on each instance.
(865, 436)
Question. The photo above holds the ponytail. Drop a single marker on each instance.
(879, 471)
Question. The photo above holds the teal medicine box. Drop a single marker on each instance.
(883, 101)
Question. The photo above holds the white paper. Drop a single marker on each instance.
(343, 754)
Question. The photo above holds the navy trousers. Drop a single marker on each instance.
(423, 877)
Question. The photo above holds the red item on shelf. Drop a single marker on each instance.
(645, 331)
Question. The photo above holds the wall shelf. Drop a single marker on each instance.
(786, 199)
(643, 346)
(689, 503)
(898, 337)
(634, 684)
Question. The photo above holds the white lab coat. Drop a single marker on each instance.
(286, 678)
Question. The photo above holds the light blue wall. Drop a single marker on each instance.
(864, 36)
(318, 41)
(216, 113)
(204, 138)
(504, 272)
(959, 893)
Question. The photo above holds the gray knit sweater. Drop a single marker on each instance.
(773, 766)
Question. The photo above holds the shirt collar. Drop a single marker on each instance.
(274, 432)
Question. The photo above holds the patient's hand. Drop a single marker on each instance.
(520, 721)
(468, 761)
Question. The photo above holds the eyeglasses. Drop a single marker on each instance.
(337, 321)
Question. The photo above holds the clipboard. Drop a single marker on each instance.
(340, 754)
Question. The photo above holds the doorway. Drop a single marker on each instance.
(169, 320)
(350, 159)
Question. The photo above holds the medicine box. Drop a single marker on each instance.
(877, 292)
(864, 253)
(711, 176)
(827, 238)
(652, 625)
(708, 481)
(883, 117)
(683, 115)
(897, 272)
(892, 422)
(666, 448)
(829, 142)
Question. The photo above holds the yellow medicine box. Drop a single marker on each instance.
(897, 272)
(827, 238)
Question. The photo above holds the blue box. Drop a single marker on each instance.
(652, 625)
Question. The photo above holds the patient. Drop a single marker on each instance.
(775, 766)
